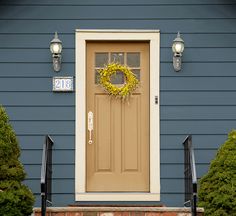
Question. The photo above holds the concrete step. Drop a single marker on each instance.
(117, 211)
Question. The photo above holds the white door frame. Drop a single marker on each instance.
(83, 36)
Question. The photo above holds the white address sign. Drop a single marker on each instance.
(62, 84)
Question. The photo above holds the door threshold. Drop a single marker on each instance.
(117, 197)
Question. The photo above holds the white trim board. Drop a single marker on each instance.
(82, 36)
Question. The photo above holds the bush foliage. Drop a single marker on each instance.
(217, 192)
(15, 198)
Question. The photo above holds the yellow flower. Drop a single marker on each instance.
(131, 81)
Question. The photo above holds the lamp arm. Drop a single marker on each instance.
(56, 61)
(177, 62)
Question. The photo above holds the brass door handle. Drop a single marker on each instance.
(90, 126)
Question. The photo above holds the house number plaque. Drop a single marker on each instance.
(62, 84)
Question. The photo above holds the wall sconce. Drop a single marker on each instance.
(56, 48)
(177, 48)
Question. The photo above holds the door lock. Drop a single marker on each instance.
(90, 126)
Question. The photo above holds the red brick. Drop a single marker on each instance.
(137, 213)
(70, 213)
(90, 213)
(38, 213)
(74, 214)
(106, 213)
(117, 213)
(153, 214)
(58, 214)
(169, 214)
(125, 213)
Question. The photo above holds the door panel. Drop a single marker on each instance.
(118, 158)
(131, 144)
(103, 143)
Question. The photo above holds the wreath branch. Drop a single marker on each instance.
(126, 89)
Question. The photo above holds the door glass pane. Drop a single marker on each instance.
(117, 78)
(133, 59)
(117, 58)
(136, 73)
(97, 77)
(101, 59)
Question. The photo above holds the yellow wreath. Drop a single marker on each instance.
(129, 86)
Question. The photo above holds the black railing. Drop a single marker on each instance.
(46, 175)
(190, 176)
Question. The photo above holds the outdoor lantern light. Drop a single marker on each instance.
(56, 48)
(177, 48)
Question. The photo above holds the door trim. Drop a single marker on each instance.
(82, 36)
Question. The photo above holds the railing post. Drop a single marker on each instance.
(194, 205)
(43, 204)
(190, 175)
(46, 175)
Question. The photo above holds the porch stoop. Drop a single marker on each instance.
(117, 211)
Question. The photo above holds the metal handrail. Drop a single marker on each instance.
(190, 175)
(46, 175)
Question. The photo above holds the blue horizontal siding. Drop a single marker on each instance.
(37, 99)
(60, 171)
(199, 100)
(41, 41)
(200, 69)
(44, 127)
(35, 142)
(198, 113)
(200, 141)
(176, 156)
(59, 157)
(121, 2)
(166, 26)
(41, 113)
(140, 12)
(35, 70)
(197, 127)
(198, 84)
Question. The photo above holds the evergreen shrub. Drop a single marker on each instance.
(16, 199)
(217, 192)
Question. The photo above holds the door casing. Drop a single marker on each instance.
(82, 37)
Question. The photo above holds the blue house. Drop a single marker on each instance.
(108, 151)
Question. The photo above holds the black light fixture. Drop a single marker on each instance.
(56, 49)
(177, 48)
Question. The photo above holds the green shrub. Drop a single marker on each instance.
(217, 192)
(15, 198)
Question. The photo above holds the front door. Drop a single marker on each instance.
(118, 158)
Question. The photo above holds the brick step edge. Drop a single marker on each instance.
(117, 211)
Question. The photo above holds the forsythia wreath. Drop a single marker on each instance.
(129, 86)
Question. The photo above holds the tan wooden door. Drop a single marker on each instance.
(118, 158)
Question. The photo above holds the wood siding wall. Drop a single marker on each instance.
(199, 100)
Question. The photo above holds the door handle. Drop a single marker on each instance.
(90, 126)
